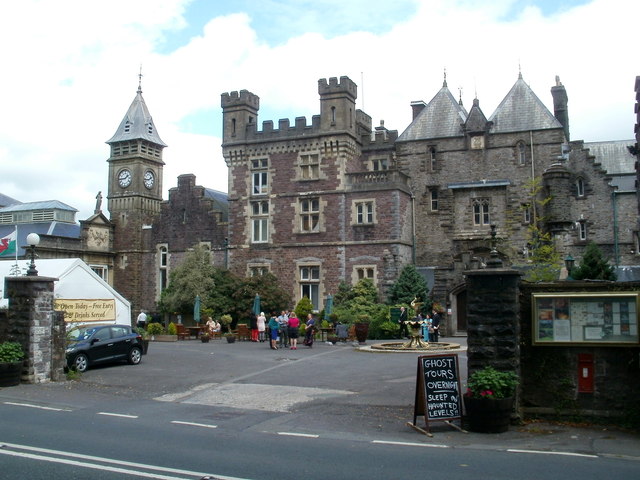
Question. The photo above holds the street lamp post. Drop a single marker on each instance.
(33, 239)
(568, 263)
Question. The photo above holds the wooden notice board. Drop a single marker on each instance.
(438, 389)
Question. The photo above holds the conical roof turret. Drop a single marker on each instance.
(137, 124)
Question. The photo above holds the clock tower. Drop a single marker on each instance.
(134, 194)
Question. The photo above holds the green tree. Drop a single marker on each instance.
(593, 266)
(303, 308)
(193, 277)
(273, 298)
(544, 258)
(409, 285)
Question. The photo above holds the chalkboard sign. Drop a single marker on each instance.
(394, 314)
(438, 388)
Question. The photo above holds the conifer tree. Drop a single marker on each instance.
(593, 266)
(409, 285)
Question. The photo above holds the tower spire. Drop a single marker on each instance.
(140, 80)
(444, 83)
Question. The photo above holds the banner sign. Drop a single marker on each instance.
(86, 310)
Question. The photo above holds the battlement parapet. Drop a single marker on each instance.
(345, 85)
(242, 98)
(285, 130)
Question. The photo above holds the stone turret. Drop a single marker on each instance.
(338, 104)
(239, 115)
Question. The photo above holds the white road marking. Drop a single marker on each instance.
(409, 444)
(29, 405)
(121, 415)
(293, 434)
(42, 454)
(177, 422)
(542, 452)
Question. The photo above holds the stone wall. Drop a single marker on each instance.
(32, 322)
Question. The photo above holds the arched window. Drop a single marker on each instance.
(580, 186)
(432, 158)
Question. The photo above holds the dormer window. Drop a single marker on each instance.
(127, 127)
(150, 128)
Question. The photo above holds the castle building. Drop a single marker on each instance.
(315, 204)
(337, 200)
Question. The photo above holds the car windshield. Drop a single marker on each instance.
(81, 333)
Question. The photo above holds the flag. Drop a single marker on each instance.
(8, 244)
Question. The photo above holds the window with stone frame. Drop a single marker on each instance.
(521, 152)
(260, 176)
(580, 187)
(101, 270)
(364, 212)
(526, 213)
(361, 272)
(379, 164)
(310, 284)
(309, 212)
(257, 270)
(433, 199)
(260, 221)
(163, 267)
(582, 230)
(309, 165)
(481, 211)
(432, 158)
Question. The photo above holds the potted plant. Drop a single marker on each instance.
(204, 337)
(489, 400)
(362, 327)
(230, 336)
(225, 320)
(11, 360)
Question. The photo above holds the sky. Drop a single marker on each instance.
(71, 69)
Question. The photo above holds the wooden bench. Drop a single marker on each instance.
(182, 332)
(242, 332)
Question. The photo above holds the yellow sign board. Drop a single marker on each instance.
(86, 310)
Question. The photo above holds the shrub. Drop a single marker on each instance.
(11, 352)
(155, 329)
(172, 329)
(491, 383)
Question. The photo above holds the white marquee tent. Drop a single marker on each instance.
(76, 281)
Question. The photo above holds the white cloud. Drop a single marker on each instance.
(69, 79)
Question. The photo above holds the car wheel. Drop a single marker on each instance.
(135, 355)
(81, 363)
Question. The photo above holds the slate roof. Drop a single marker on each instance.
(613, 156)
(43, 205)
(221, 200)
(5, 200)
(442, 117)
(56, 229)
(522, 110)
(137, 124)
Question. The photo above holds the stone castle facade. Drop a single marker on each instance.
(338, 199)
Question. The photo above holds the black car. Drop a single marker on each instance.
(92, 344)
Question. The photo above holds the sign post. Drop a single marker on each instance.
(438, 395)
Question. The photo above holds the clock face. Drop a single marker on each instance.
(149, 179)
(124, 178)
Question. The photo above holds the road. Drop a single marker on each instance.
(192, 410)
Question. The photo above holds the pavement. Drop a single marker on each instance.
(343, 391)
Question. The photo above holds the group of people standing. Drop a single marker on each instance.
(430, 324)
(282, 330)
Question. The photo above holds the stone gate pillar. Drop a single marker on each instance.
(493, 323)
(32, 322)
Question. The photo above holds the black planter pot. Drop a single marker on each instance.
(145, 346)
(362, 331)
(486, 415)
(230, 339)
(10, 374)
